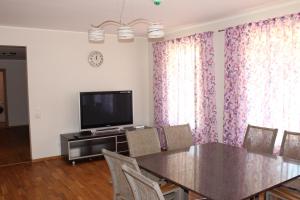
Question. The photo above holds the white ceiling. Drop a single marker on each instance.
(77, 15)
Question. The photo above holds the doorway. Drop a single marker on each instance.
(14, 111)
(3, 100)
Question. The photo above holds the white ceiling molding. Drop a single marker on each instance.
(78, 15)
(245, 13)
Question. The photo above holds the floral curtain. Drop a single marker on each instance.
(184, 85)
(262, 76)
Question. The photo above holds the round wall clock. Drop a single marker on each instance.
(95, 58)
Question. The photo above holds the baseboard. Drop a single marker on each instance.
(46, 159)
(13, 164)
(14, 127)
(33, 161)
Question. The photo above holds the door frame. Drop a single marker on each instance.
(27, 87)
(5, 96)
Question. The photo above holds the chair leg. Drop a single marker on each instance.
(181, 194)
(178, 194)
(185, 194)
(270, 196)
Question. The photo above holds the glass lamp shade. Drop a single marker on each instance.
(155, 31)
(96, 35)
(125, 33)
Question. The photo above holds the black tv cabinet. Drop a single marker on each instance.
(75, 146)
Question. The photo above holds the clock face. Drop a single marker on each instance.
(95, 58)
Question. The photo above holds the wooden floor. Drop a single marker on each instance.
(55, 179)
(3, 125)
(14, 145)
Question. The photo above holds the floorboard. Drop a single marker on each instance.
(14, 145)
(56, 179)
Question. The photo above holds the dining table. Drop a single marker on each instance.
(221, 172)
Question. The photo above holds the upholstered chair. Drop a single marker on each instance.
(143, 142)
(143, 188)
(290, 146)
(260, 139)
(121, 187)
(290, 150)
(178, 137)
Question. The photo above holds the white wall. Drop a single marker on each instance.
(288, 8)
(58, 70)
(17, 96)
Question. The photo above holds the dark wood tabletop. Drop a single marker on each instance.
(221, 172)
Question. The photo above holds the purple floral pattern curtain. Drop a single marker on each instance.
(184, 85)
(262, 75)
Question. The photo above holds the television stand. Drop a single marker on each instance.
(75, 147)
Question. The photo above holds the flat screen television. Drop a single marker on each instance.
(105, 109)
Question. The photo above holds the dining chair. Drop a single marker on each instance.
(260, 139)
(121, 187)
(290, 149)
(178, 137)
(290, 146)
(143, 142)
(142, 187)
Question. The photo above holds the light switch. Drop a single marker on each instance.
(37, 113)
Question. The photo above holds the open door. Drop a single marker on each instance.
(3, 100)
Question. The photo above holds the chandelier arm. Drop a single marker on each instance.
(111, 22)
(122, 11)
(138, 21)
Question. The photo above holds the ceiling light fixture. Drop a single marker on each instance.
(125, 31)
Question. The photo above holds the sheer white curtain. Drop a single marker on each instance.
(184, 85)
(262, 77)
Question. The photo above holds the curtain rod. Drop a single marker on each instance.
(274, 18)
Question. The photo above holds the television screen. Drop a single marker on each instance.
(103, 109)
